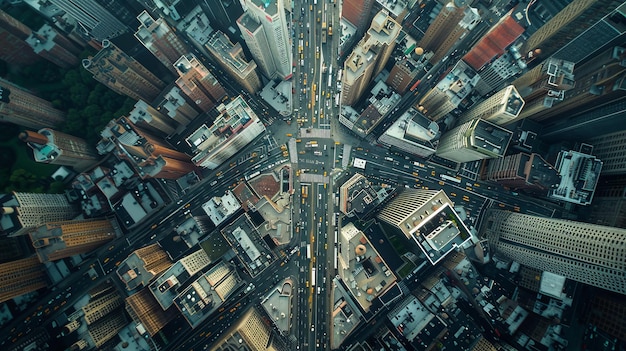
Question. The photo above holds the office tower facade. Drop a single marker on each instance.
(401, 76)
(264, 29)
(453, 21)
(609, 28)
(251, 333)
(566, 25)
(609, 203)
(231, 58)
(544, 86)
(412, 133)
(426, 218)
(56, 240)
(198, 83)
(500, 108)
(607, 312)
(20, 107)
(236, 126)
(151, 119)
(50, 146)
(587, 253)
(141, 266)
(522, 171)
(34, 210)
(369, 57)
(14, 49)
(474, 140)
(598, 81)
(448, 94)
(494, 42)
(160, 40)
(358, 13)
(175, 105)
(100, 20)
(145, 309)
(150, 156)
(50, 44)
(101, 305)
(122, 74)
(21, 277)
(222, 14)
(610, 149)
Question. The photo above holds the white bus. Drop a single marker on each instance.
(451, 179)
(252, 175)
(335, 257)
(313, 274)
(308, 251)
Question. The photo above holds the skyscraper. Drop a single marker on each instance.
(264, 29)
(358, 13)
(522, 171)
(38, 209)
(369, 57)
(150, 156)
(587, 253)
(250, 332)
(426, 218)
(175, 105)
(474, 140)
(101, 20)
(13, 34)
(454, 20)
(21, 277)
(222, 14)
(56, 240)
(198, 83)
(499, 108)
(50, 146)
(151, 119)
(494, 42)
(122, 74)
(236, 126)
(609, 203)
(544, 86)
(570, 22)
(20, 107)
(50, 44)
(231, 58)
(160, 40)
(609, 148)
(598, 81)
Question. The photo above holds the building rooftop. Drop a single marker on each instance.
(134, 271)
(207, 293)
(278, 305)
(345, 315)
(412, 132)
(361, 268)
(219, 44)
(410, 317)
(235, 119)
(579, 176)
(490, 137)
(459, 83)
(198, 27)
(248, 245)
(166, 286)
(395, 7)
(495, 42)
(43, 39)
(269, 6)
(219, 209)
(358, 196)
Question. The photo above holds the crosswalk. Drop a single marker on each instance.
(313, 178)
(314, 133)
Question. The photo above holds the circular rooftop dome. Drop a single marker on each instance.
(360, 250)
